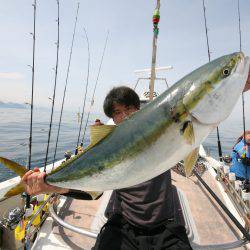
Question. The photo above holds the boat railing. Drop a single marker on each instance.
(70, 226)
(236, 195)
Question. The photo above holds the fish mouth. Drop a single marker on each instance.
(242, 67)
(218, 103)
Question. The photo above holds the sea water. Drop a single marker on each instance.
(14, 136)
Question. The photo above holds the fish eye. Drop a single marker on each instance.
(225, 72)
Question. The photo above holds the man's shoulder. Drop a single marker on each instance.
(239, 145)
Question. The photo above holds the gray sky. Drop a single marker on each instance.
(181, 44)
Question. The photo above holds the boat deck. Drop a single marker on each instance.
(211, 223)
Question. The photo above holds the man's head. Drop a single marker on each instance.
(120, 102)
(248, 137)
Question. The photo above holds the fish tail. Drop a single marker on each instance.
(19, 170)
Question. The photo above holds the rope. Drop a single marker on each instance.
(55, 82)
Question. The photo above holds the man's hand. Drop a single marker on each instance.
(34, 183)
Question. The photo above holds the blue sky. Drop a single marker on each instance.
(181, 44)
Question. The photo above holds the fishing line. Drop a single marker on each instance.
(85, 95)
(55, 82)
(66, 83)
(93, 96)
(209, 59)
(32, 95)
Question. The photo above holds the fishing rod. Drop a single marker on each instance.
(32, 94)
(242, 95)
(66, 82)
(225, 209)
(156, 19)
(209, 59)
(93, 96)
(55, 82)
(86, 92)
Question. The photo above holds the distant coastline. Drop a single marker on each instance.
(12, 105)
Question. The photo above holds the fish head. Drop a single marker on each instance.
(216, 87)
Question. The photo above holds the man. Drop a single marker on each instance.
(139, 217)
(241, 158)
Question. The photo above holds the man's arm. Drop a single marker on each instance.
(34, 183)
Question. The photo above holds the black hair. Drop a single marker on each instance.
(121, 95)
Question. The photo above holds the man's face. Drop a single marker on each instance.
(121, 112)
(248, 138)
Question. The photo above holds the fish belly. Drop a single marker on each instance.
(160, 156)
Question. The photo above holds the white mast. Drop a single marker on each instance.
(156, 19)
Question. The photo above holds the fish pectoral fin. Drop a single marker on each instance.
(188, 132)
(94, 194)
(97, 133)
(190, 161)
(15, 167)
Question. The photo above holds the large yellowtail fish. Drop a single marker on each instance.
(164, 132)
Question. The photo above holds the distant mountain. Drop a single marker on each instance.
(12, 105)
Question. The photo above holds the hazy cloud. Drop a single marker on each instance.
(11, 75)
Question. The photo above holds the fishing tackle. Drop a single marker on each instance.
(55, 82)
(32, 95)
(93, 96)
(85, 95)
(209, 59)
(66, 82)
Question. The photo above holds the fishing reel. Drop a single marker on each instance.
(227, 159)
(67, 155)
(12, 219)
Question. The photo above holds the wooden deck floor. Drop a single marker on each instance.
(81, 214)
(212, 224)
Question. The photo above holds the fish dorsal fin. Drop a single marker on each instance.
(97, 133)
(15, 167)
(188, 132)
(190, 161)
